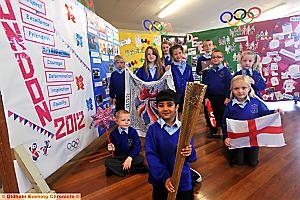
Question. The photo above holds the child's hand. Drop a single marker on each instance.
(111, 147)
(186, 151)
(169, 186)
(280, 111)
(127, 163)
(226, 101)
(167, 67)
(227, 142)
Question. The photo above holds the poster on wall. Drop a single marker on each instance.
(46, 81)
(133, 46)
(103, 42)
(276, 41)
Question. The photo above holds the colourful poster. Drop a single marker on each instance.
(103, 41)
(133, 46)
(46, 81)
(276, 42)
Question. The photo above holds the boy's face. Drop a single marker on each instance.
(240, 89)
(217, 58)
(177, 55)
(208, 46)
(167, 110)
(165, 48)
(120, 64)
(123, 121)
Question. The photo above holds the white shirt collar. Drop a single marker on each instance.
(162, 122)
(121, 129)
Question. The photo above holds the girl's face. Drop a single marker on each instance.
(150, 56)
(240, 89)
(123, 121)
(167, 111)
(217, 58)
(165, 48)
(247, 61)
(177, 55)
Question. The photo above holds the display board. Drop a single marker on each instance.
(276, 41)
(133, 46)
(103, 41)
(46, 80)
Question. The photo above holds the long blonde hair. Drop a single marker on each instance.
(256, 65)
(158, 62)
(247, 80)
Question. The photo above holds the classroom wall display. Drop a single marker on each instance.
(46, 81)
(103, 42)
(276, 41)
(133, 46)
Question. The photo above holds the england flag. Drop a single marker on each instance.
(263, 131)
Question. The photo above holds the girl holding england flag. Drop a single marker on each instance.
(244, 105)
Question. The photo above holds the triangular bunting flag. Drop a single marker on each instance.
(25, 121)
(10, 113)
(45, 132)
(41, 130)
(38, 128)
(33, 127)
(15, 116)
(21, 119)
(30, 124)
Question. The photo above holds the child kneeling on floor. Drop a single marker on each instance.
(125, 145)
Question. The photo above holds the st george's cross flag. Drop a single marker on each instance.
(263, 131)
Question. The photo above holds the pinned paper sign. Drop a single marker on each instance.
(274, 44)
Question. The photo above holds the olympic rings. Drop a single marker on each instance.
(73, 145)
(239, 15)
(161, 27)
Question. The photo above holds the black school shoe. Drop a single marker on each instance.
(108, 172)
(196, 176)
(143, 169)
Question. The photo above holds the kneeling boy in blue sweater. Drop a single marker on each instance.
(126, 145)
(161, 146)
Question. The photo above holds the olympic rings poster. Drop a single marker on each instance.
(134, 44)
(46, 81)
(240, 16)
(277, 42)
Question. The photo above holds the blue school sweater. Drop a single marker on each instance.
(126, 144)
(259, 84)
(141, 74)
(218, 82)
(160, 148)
(168, 60)
(117, 85)
(253, 109)
(180, 80)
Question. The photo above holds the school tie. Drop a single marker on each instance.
(248, 72)
(167, 58)
(123, 132)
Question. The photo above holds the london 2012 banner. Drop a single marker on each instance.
(46, 81)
